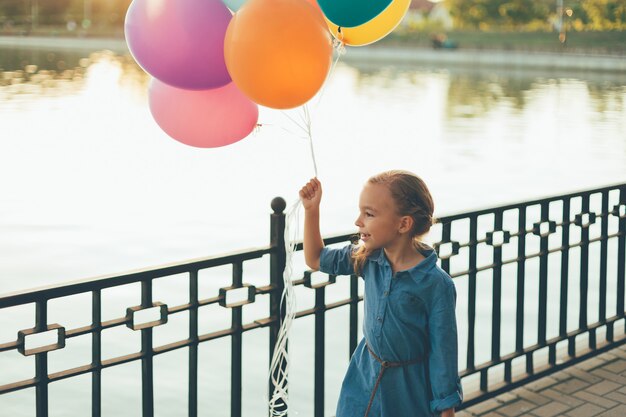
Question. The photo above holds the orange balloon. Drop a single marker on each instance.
(317, 6)
(278, 52)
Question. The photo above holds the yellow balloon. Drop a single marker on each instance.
(375, 29)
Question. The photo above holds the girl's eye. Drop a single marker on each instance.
(367, 214)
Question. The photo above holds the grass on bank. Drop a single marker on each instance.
(609, 42)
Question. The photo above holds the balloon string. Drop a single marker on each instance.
(294, 121)
(340, 50)
(308, 124)
(279, 365)
(291, 132)
(305, 118)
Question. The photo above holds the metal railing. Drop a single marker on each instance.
(500, 246)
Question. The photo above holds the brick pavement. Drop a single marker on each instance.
(593, 388)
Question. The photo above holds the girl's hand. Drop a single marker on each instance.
(448, 413)
(311, 194)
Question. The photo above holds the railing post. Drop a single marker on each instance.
(193, 348)
(278, 259)
(147, 350)
(621, 261)
(41, 362)
(319, 351)
(96, 353)
(236, 347)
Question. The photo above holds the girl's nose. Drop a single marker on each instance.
(358, 222)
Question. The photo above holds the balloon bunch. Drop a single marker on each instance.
(213, 62)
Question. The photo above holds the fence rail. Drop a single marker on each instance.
(510, 250)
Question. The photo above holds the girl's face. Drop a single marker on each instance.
(378, 221)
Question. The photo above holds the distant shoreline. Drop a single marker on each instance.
(491, 58)
(68, 43)
(379, 53)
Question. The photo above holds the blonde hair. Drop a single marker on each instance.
(412, 198)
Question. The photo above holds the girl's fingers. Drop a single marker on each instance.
(306, 193)
(310, 189)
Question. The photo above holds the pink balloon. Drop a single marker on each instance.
(204, 118)
(180, 42)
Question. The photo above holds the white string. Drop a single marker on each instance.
(340, 50)
(279, 366)
(291, 132)
(309, 131)
(293, 120)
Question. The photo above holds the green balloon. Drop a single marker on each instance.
(351, 13)
(234, 5)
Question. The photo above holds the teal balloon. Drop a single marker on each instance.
(351, 13)
(234, 5)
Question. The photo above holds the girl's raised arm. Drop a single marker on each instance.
(311, 196)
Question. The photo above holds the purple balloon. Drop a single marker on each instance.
(180, 42)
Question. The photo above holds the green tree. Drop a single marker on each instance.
(58, 12)
(14, 9)
(488, 14)
(515, 13)
(53, 11)
(110, 11)
(471, 13)
(605, 14)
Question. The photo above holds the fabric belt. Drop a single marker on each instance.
(384, 365)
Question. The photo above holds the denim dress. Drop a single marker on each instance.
(409, 317)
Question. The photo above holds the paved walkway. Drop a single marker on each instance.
(593, 388)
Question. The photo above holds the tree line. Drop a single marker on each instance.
(467, 14)
(60, 12)
(538, 14)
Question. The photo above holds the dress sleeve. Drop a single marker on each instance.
(337, 261)
(442, 358)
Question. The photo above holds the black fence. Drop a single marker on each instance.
(540, 286)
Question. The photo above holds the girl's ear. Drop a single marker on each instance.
(406, 224)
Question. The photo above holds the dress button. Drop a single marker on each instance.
(379, 319)
(386, 293)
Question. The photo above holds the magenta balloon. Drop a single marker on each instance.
(203, 118)
(180, 42)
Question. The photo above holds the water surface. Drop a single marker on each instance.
(90, 185)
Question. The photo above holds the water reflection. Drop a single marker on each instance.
(113, 193)
(35, 74)
(474, 92)
(12, 59)
(607, 97)
(474, 96)
(469, 122)
(470, 93)
(35, 82)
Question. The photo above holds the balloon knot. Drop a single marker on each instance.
(339, 46)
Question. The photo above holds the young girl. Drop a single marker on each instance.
(406, 365)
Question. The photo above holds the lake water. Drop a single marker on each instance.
(90, 185)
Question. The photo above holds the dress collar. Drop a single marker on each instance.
(430, 259)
